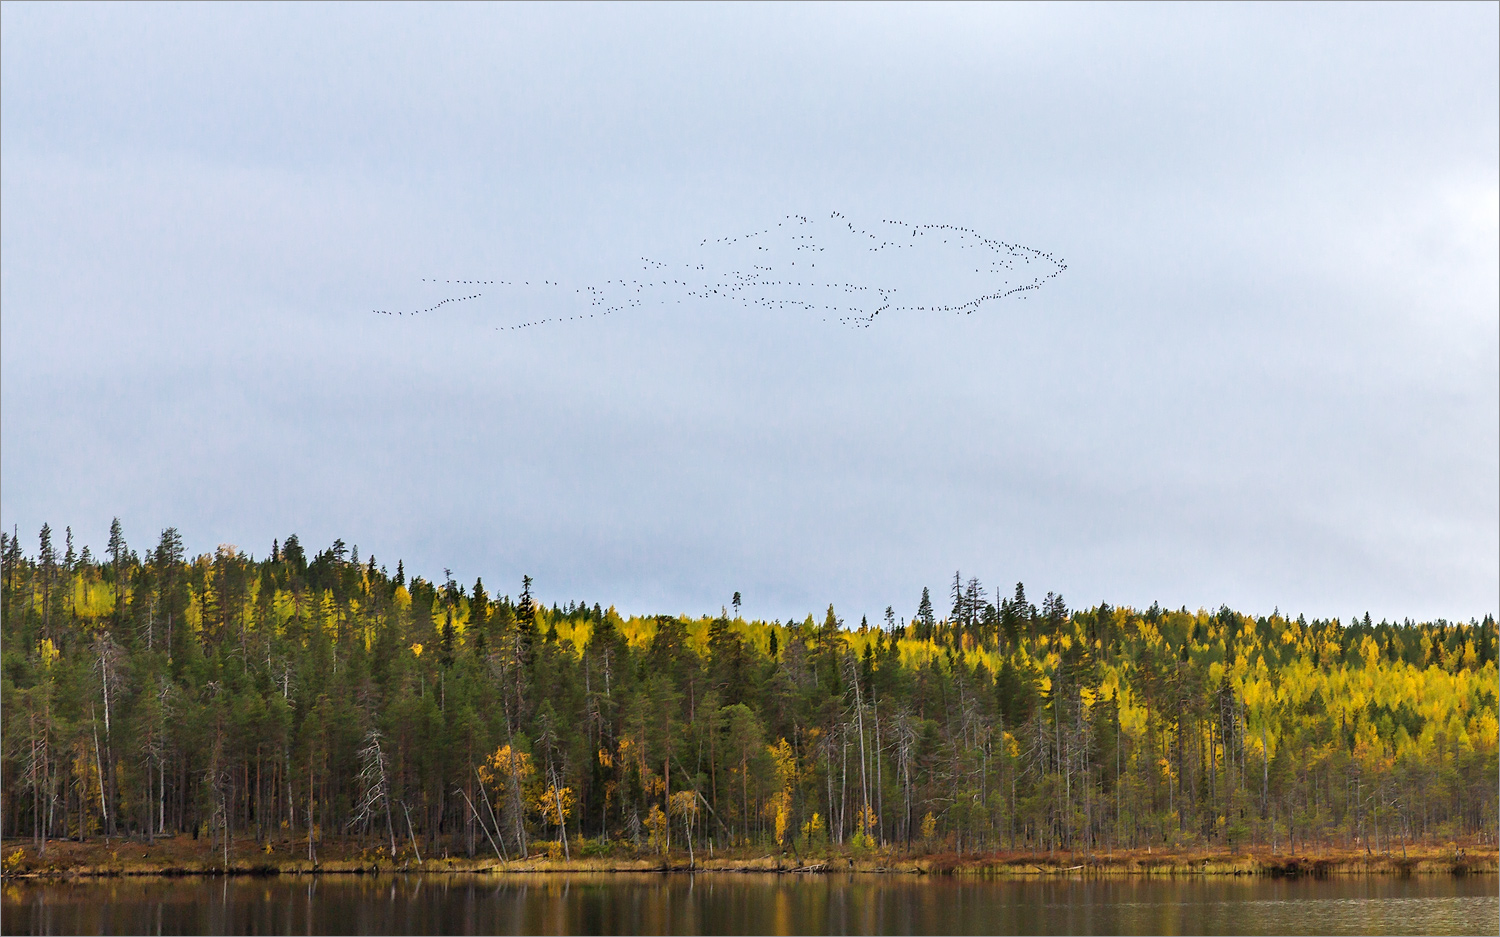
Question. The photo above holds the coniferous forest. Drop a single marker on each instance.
(297, 699)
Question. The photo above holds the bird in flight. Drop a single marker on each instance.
(829, 267)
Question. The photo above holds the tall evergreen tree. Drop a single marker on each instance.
(926, 621)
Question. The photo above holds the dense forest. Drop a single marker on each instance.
(293, 700)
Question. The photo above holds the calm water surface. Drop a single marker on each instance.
(724, 903)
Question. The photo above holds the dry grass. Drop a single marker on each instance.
(183, 855)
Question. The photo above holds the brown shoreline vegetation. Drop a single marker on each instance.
(182, 855)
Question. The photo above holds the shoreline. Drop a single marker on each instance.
(182, 856)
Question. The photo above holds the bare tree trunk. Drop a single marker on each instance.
(482, 825)
(515, 790)
(843, 782)
(410, 832)
(99, 767)
(879, 776)
(311, 857)
(864, 782)
(493, 818)
(562, 821)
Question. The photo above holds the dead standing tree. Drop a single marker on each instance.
(375, 785)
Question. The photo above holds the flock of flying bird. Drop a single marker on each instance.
(829, 268)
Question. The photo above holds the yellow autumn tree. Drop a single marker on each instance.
(505, 767)
(554, 803)
(785, 762)
(658, 831)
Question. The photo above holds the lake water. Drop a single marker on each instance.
(727, 903)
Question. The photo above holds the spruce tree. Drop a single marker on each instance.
(117, 568)
(48, 562)
(526, 620)
(926, 621)
(479, 608)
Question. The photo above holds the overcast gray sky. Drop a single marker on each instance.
(1270, 375)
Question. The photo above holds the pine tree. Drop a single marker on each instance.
(172, 591)
(292, 555)
(960, 614)
(973, 607)
(12, 556)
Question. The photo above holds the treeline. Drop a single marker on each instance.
(292, 700)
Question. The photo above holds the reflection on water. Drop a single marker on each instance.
(726, 903)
